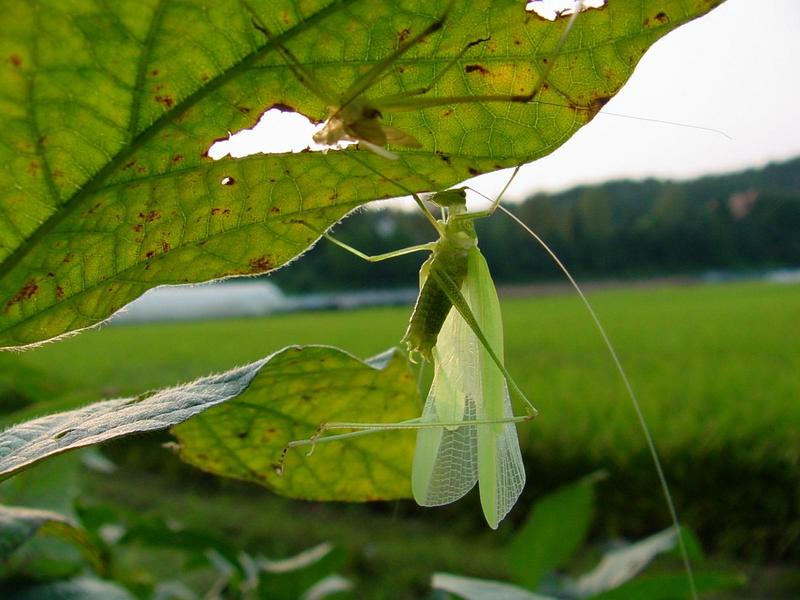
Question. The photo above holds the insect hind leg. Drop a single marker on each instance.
(363, 429)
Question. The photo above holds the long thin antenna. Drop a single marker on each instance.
(639, 415)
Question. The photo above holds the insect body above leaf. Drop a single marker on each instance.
(355, 117)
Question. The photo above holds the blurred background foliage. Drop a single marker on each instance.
(745, 220)
(714, 365)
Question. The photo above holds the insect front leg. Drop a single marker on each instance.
(427, 247)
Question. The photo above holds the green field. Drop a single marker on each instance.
(715, 368)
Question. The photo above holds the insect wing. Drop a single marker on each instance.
(445, 460)
(501, 472)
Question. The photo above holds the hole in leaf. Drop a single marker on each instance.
(228, 181)
(278, 131)
(554, 9)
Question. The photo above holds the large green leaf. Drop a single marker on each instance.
(297, 391)
(254, 411)
(107, 110)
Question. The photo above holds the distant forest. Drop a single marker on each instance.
(745, 220)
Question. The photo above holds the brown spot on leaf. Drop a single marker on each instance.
(67, 258)
(58, 174)
(15, 60)
(262, 263)
(177, 158)
(274, 210)
(402, 35)
(154, 72)
(204, 77)
(167, 101)
(138, 227)
(476, 69)
(165, 246)
(282, 107)
(26, 292)
(150, 216)
(244, 109)
(473, 171)
(662, 18)
(129, 164)
(150, 254)
(444, 157)
(33, 167)
(448, 112)
(59, 292)
(597, 104)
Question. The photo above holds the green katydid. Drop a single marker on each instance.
(467, 430)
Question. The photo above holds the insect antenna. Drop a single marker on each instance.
(687, 564)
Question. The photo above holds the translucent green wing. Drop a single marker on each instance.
(467, 386)
(501, 473)
(446, 458)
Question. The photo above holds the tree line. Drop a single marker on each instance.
(744, 220)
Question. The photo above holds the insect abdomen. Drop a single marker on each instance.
(433, 304)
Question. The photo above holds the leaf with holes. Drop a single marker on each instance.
(252, 413)
(108, 110)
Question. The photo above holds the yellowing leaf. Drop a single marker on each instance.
(107, 110)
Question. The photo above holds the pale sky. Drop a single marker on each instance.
(734, 69)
